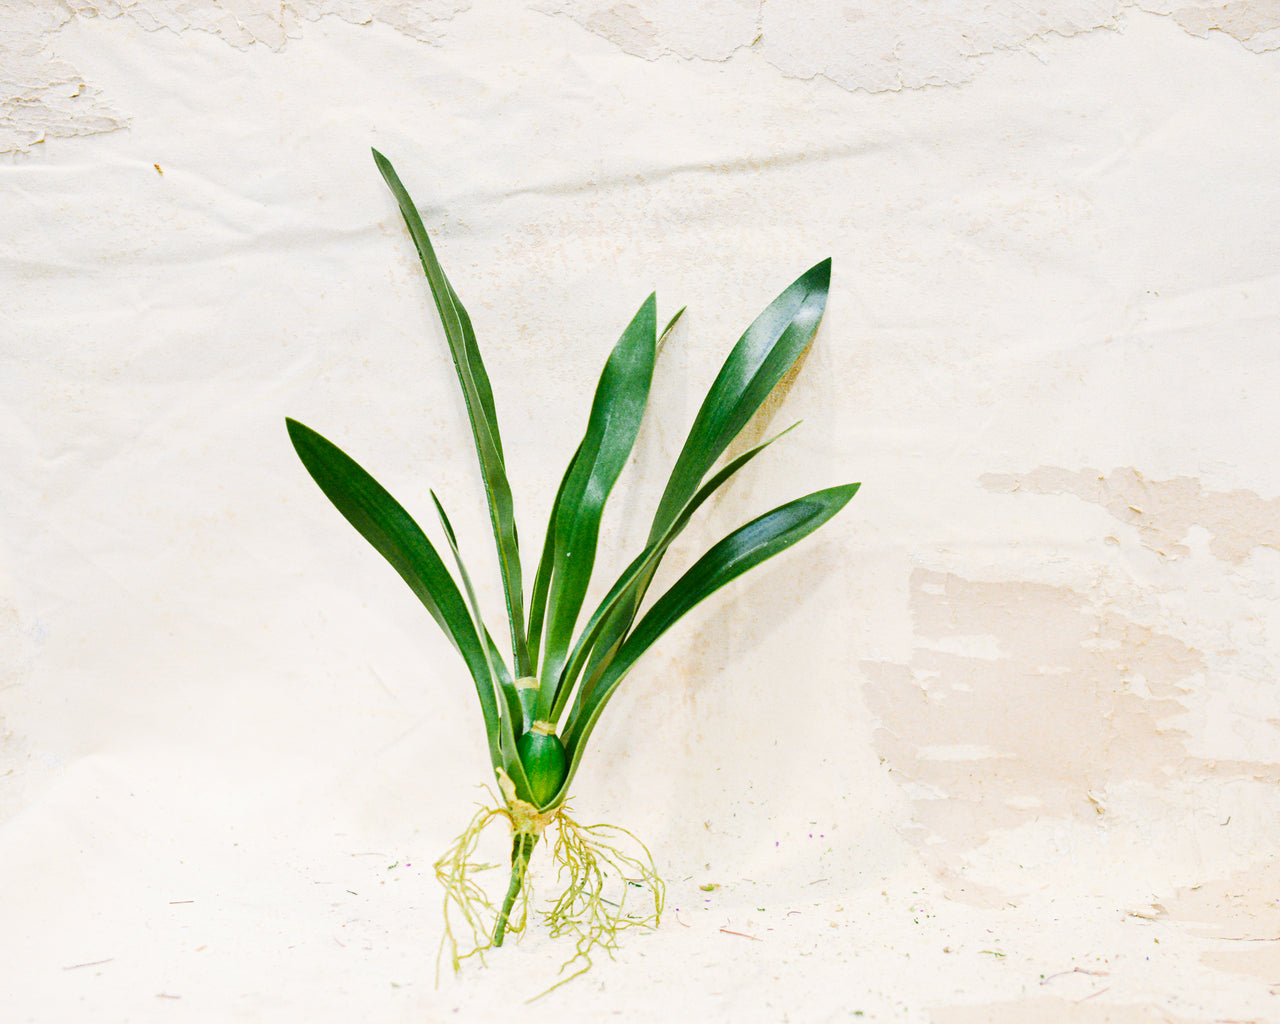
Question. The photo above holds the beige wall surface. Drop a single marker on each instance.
(1001, 743)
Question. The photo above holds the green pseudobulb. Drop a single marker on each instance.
(545, 764)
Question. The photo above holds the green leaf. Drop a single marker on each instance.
(542, 580)
(762, 356)
(662, 335)
(611, 431)
(546, 566)
(742, 550)
(510, 722)
(635, 576)
(478, 395)
(384, 523)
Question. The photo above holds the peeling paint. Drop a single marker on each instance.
(858, 45)
(242, 23)
(703, 29)
(875, 47)
(888, 47)
(1078, 699)
(1254, 23)
(44, 97)
(1162, 511)
(40, 96)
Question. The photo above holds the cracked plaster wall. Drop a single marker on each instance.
(857, 45)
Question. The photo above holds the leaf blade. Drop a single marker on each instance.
(742, 550)
(636, 577)
(499, 680)
(614, 422)
(761, 357)
(394, 534)
(478, 397)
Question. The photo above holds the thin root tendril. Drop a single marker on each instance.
(606, 875)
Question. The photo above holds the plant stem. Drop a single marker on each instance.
(521, 849)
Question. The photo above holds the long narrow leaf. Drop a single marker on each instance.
(546, 566)
(510, 722)
(611, 431)
(542, 581)
(761, 357)
(384, 523)
(636, 575)
(742, 550)
(478, 396)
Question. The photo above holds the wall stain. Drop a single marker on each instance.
(1242, 907)
(1162, 511)
(627, 27)
(1024, 701)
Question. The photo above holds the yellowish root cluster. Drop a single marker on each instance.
(604, 888)
(588, 855)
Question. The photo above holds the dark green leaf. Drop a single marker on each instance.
(384, 523)
(636, 578)
(611, 431)
(546, 567)
(742, 550)
(478, 395)
(762, 356)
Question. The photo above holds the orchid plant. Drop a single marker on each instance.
(541, 700)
